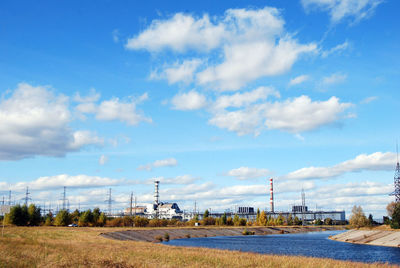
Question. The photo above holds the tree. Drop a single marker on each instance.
(358, 219)
(206, 214)
(318, 222)
(96, 215)
(297, 221)
(103, 220)
(34, 216)
(49, 219)
(390, 208)
(18, 215)
(370, 220)
(63, 218)
(395, 223)
(263, 218)
(86, 218)
(258, 216)
(236, 220)
(290, 220)
(223, 219)
(280, 220)
(328, 221)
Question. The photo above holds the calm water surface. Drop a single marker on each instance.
(315, 244)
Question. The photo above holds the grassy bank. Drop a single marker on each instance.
(83, 247)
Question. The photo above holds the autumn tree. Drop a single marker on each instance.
(358, 218)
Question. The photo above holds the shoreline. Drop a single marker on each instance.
(153, 235)
(372, 237)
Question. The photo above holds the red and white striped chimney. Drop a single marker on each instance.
(271, 193)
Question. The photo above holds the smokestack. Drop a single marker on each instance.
(156, 192)
(271, 193)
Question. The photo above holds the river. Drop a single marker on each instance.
(315, 244)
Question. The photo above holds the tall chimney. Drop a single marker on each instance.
(156, 192)
(271, 193)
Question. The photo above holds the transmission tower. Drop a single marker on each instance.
(396, 192)
(27, 198)
(9, 198)
(64, 199)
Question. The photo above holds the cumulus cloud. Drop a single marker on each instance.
(374, 161)
(340, 9)
(293, 115)
(298, 80)
(35, 121)
(59, 181)
(245, 173)
(115, 109)
(191, 100)
(245, 62)
(303, 114)
(250, 43)
(169, 162)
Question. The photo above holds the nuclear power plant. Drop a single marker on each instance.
(164, 210)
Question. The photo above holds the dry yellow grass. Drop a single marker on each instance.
(83, 247)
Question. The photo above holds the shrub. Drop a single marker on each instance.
(246, 232)
(158, 238)
(187, 236)
(166, 237)
(141, 221)
(395, 223)
(242, 222)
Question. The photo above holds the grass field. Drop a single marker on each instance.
(83, 247)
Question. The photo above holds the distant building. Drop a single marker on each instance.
(138, 210)
(164, 211)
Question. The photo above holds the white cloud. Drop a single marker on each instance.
(374, 161)
(333, 79)
(298, 80)
(248, 61)
(369, 99)
(179, 72)
(84, 137)
(303, 114)
(337, 49)
(250, 43)
(294, 116)
(116, 109)
(245, 121)
(103, 159)
(93, 96)
(189, 101)
(179, 33)
(115, 35)
(35, 121)
(169, 162)
(341, 9)
(238, 100)
(58, 181)
(244, 173)
(183, 179)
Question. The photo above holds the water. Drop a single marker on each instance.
(315, 244)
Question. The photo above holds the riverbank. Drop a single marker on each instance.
(154, 234)
(374, 237)
(83, 247)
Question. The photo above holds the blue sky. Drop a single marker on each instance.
(211, 98)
